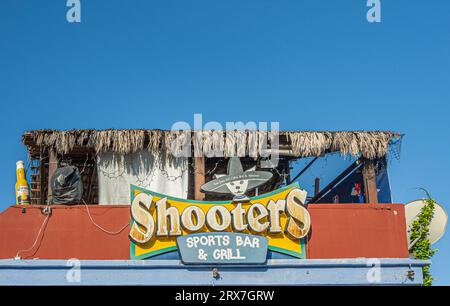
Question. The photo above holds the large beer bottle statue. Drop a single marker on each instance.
(22, 190)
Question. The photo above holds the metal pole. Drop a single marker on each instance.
(303, 170)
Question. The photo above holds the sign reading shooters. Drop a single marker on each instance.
(236, 231)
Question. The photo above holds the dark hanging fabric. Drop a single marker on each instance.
(67, 187)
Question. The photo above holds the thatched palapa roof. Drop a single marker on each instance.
(369, 144)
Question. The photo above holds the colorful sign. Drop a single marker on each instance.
(157, 220)
(222, 248)
(237, 182)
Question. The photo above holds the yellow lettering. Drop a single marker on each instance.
(254, 221)
(143, 226)
(164, 213)
(187, 218)
(299, 220)
(275, 208)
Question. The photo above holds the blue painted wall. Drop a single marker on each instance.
(359, 271)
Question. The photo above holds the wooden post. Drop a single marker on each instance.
(42, 195)
(316, 186)
(52, 166)
(370, 181)
(199, 177)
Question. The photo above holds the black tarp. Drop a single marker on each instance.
(67, 187)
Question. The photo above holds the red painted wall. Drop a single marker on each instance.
(338, 231)
(357, 230)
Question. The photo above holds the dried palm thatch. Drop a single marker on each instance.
(369, 144)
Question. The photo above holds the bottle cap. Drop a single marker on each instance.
(19, 164)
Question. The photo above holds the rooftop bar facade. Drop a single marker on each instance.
(333, 243)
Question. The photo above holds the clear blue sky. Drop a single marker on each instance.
(311, 65)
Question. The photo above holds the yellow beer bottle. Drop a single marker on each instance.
(22, 190)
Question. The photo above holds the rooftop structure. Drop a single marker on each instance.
(331, 236)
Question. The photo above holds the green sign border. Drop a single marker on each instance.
(299, 254)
